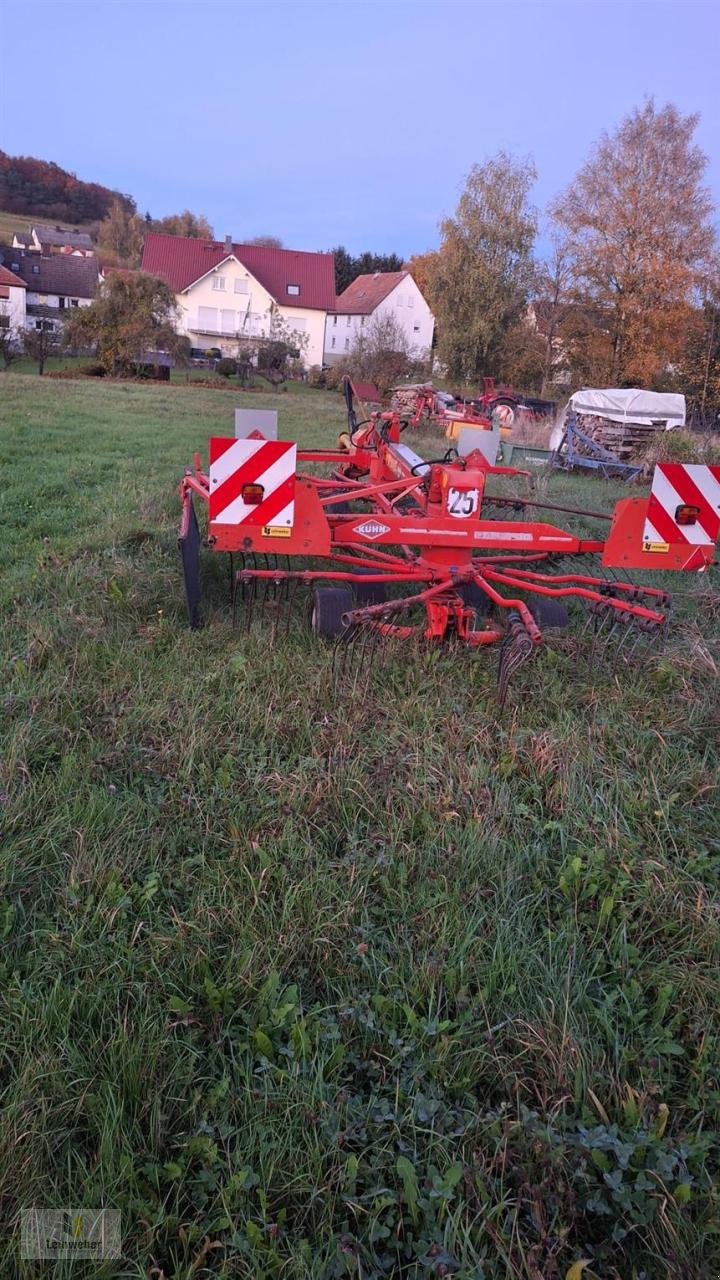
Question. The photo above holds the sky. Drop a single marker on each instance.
(327, 123)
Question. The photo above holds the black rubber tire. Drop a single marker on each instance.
(504, 402)
(549, 614)
(475, 597)
(368, 593)
(327, 609)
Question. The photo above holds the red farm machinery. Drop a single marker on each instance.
(386, 545)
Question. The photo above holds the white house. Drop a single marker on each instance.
(384, 293)
(226, 292)
(53, 285)
(12, 300)
(50, 240)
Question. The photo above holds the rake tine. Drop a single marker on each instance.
(638, 637)
(515, 650)
(340, 652)
(250, 602)
(292, 590)
(627, 628)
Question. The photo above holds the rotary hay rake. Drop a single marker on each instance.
(391, 546)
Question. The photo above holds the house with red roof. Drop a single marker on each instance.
(227, 292)
(380, 294)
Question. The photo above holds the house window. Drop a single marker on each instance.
(74, 302)
(416, 328)
(207, 320)
(332, 341)
(4, 321)
(218, 282)
(293, 289)
(411, 302)
(334, 319)
(401, 299)
(35, 270)
(241, 285)
(348, 322)
(61, 303)
(298, 323)
(362, 321)
(14, 266)
(347, 344)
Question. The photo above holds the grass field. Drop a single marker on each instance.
(12, 222)
(390, 986)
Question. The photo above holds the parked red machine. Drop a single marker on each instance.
(393, 546)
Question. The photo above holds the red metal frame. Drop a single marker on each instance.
(431, 515)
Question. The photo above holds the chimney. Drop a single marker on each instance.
(228, 244)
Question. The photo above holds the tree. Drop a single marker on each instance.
(11, 345)
(44, 190)
(132, 314)
(270, 242)
(41, 343)
(280, 344)
(381, 353)
(480, 279)
(638, 223)
(348, 268)
(120, 237)
(193, 225)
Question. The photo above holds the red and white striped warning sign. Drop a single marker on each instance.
(235, 464)
(677, 487)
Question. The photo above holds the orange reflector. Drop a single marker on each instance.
(252, 494)
(685, 514)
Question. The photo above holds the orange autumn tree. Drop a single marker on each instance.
(638, 223)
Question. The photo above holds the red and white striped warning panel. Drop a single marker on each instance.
(684, 506)
(253, 482)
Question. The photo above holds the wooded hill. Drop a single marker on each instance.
(41, 188)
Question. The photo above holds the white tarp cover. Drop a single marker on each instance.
(631, 405)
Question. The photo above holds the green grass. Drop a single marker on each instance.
(10, 223)
(391, 985)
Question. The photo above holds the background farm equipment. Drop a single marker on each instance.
(423, 404)
(394, 547)
(510, 409)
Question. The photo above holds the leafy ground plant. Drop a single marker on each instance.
(386, 987)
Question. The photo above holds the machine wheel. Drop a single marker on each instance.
(368, 593)
(549, 614)
(506, 411)
(327, 609)
(475, 597)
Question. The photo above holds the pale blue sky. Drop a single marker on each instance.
(325, 122)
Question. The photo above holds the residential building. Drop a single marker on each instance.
(227, 292)
(12, 300)
(54, 240)
(52, 284)
(384, 293)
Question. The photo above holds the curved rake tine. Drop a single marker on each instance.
(292, 585)
(341, 649)
(515, 650)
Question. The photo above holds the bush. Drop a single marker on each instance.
(91, 370)
(334, 376)
(226, 367)
(682, 446)
(316, 377)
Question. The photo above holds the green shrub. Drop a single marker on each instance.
(227, 367)
(316, 377)
(334, 377)
(682, 446)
